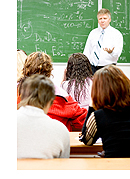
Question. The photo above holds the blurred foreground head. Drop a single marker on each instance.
(110, 89)
(37, 90)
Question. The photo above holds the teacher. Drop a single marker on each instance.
(104, 44)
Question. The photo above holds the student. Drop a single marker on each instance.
(77, 79)
(21, 57)
(109, 115)
(104, 44)
(64, 108)
(39, 136)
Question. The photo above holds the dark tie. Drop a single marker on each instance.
(98, 49)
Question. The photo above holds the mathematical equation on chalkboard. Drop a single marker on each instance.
(120, 11)
(66, 25)
(120, 14)
(61, 27)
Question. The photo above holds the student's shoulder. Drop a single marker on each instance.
(20, 112)
(58, 125)
(64, 84)
(60, 130)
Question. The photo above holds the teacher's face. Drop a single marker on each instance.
(104, 21)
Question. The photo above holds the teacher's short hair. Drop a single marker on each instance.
(104, 11)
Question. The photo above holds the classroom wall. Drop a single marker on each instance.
(59, 70)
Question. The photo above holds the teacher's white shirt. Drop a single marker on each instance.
(112, 38)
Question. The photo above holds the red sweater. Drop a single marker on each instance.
(18, 98)
(67, 111)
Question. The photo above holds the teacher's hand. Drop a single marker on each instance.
(108, 50)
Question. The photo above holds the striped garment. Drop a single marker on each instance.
(91, 129)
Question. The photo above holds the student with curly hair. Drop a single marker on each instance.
(77, 79)
(36, 63)
(64, 108)
(39, 136)
(109, 114)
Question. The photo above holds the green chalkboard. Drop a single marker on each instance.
(56, 27)
(120, 11)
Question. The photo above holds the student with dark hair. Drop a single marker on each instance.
(77, 80)
(39, 136)
(64, 108)
(109, 114)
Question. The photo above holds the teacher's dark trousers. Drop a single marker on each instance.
(95, 68)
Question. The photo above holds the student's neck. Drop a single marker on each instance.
(45, 109)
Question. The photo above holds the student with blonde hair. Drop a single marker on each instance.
(39, 136)
(21, 57)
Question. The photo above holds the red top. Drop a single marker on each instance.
(67, 111)
(18, 97)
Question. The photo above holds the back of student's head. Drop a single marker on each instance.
(110, 89)
(21, 57)
(37, 90)
(78, 67)
(38, 63)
